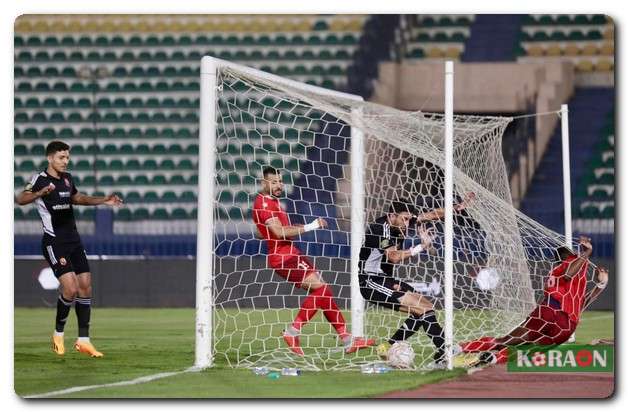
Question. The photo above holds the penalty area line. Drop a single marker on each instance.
(136, 381)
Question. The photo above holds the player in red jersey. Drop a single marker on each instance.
(554, 320)
(286, 259)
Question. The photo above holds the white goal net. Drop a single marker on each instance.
(501, 257)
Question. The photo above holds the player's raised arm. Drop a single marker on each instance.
(438, 214)
(28, 196)
(601, 281)
(396, 256)
(583, 257)
(85, 200)
(287, 232)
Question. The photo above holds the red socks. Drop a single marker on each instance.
(323, 299)
(479, 345)
(486, 344)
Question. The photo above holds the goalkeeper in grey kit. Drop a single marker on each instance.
(382, 249)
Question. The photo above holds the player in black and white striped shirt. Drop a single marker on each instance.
(382, 249)
(55, 193)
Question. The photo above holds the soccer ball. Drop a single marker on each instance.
(487, 279)
(401, 355)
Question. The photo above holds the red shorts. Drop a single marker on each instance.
(548, 326)
(293, 267)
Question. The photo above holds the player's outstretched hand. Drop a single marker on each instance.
(602, 277)
(426, 236)
(468, 198)
(113, 200)
(322, 222)
(585, 242)
(46, 190)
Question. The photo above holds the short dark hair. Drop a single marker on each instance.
(400, 206)
(563, 253)
(56, 146)
(269, 170)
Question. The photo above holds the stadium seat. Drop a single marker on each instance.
(141, 214)
(150, 197)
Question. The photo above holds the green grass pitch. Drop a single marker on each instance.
(141, 342)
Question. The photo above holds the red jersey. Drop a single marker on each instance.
(266, 207)
(568, 292)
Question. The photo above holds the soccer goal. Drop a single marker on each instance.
(346, 160)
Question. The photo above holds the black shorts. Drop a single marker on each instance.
(65, 257)
(380, 290)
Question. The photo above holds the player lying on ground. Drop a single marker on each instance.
(382, 250)
(55, 193)
(288, 262)
(554, 320)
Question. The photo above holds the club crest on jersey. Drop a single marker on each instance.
(67, 182)
(28, 187)
(384, 244)
(63, 262)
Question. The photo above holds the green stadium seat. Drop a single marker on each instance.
(169, 197)
(132, 164)
(160, 214)
(235, 214)
(124, 214)
(321, 25)
(177, 180)
(151, 197)
(564, 20)
(106, 180)
(132, 197)
(179, 213)
(32, 214)
(82, 165)
(225, 197)
(159, 149)
(576, 35)
(185, 164)
(48, 133)
(140, 180)
(242, 197)
(140, 214)
(167, 164)
(100, 164)
(158, 180)
(608, 213)
(18, 181)
(76, 150)
(221, 213)
(124, 180)
(188, 196)
(540, 36)
(20, 150)
(149, 164)
(116, 164)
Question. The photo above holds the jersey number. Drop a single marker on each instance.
(303, 265)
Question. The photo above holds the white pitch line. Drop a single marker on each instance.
(136, 381)
(598, 317)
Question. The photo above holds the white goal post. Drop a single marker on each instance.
(348, 161)
(206, 199)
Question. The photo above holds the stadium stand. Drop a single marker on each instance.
(592, 171)
(123, 92)
(133, 124)
(436, 36)
(586, 40)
